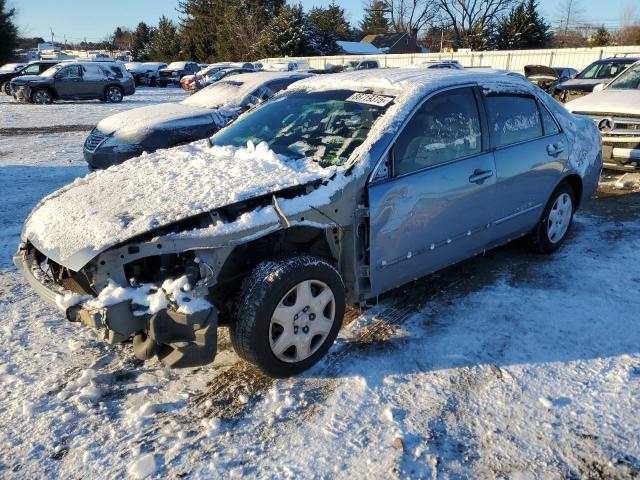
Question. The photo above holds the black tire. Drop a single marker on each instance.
(153, 82)
(41, 96)
(113, 94)
(262, 291)
(541, 239)
(6, 88)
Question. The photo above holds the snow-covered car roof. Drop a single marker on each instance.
(239, 86)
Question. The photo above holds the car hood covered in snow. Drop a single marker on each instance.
(136, 124)
(610, 101)
(74, 224)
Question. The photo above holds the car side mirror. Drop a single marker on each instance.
(599, 87)
(57, 76)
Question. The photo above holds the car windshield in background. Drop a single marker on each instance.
(49, 72)
(218, 95)
(602, 70)
(629, 79)
(323, 126)
(177, 65)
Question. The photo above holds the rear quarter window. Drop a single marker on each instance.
(513, 119)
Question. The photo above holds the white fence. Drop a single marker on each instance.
(513, 60)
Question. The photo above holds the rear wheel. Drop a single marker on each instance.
(552, 230)
(114, 94)
(288, 314)
(6, 88)
(41, 97)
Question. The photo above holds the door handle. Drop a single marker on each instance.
(555, 149)
(480, 176)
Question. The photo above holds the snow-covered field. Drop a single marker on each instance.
(510, 365)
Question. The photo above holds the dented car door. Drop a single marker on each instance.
(435, 208)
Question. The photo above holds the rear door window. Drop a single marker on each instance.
(513, 119)
(445, 128)
(93, 72)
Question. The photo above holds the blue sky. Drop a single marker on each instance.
(95, 19)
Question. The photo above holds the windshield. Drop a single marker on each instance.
(218, 95)
(50, 72)
(629, 79)
(176, 65)
(602, 70)
(323, 126)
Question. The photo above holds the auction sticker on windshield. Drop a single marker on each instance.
(371, 99)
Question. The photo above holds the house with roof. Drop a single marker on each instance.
(357, 48)
(393, 42)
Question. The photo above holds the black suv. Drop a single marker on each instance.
(105, 81)
(175, 71)
(601, 71)
(33, 68)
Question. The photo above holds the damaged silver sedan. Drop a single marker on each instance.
(335, 191)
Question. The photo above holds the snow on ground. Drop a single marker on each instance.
(508, 365)
(16, 115)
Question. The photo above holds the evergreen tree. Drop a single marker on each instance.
(141, 40)
(289, 34)
(375, 19)
(200, 28)
(522, 28)
(331, 20)
(165, 45)
(602, 38)
(8, 33)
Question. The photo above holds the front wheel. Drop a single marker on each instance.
(114, 94)
(41, 97)
(288, 314)
(556, 220)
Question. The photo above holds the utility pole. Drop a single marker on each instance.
(51, 30)
(441, 37)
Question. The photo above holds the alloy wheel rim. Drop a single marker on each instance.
(559, 218)
(302, 321)
(42, 97)
(114, 94)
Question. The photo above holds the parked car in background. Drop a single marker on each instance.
(615, 109)
(187, 80)
(105, 81)
(289, 66)
(584, 82)
(18, 69)
(145, 73)
(548, 77)
(175, 71)
(198, 82)
(335, 191)
(128, 134)
(361, 65)
(443, 64)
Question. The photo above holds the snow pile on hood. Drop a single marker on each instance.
(134, 124)
(111, 206)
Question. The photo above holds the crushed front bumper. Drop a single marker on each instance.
(22, 93)
(179, 339)
(621, 154)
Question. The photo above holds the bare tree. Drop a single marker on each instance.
(569, 19)
(411, 16)
(470, 18)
